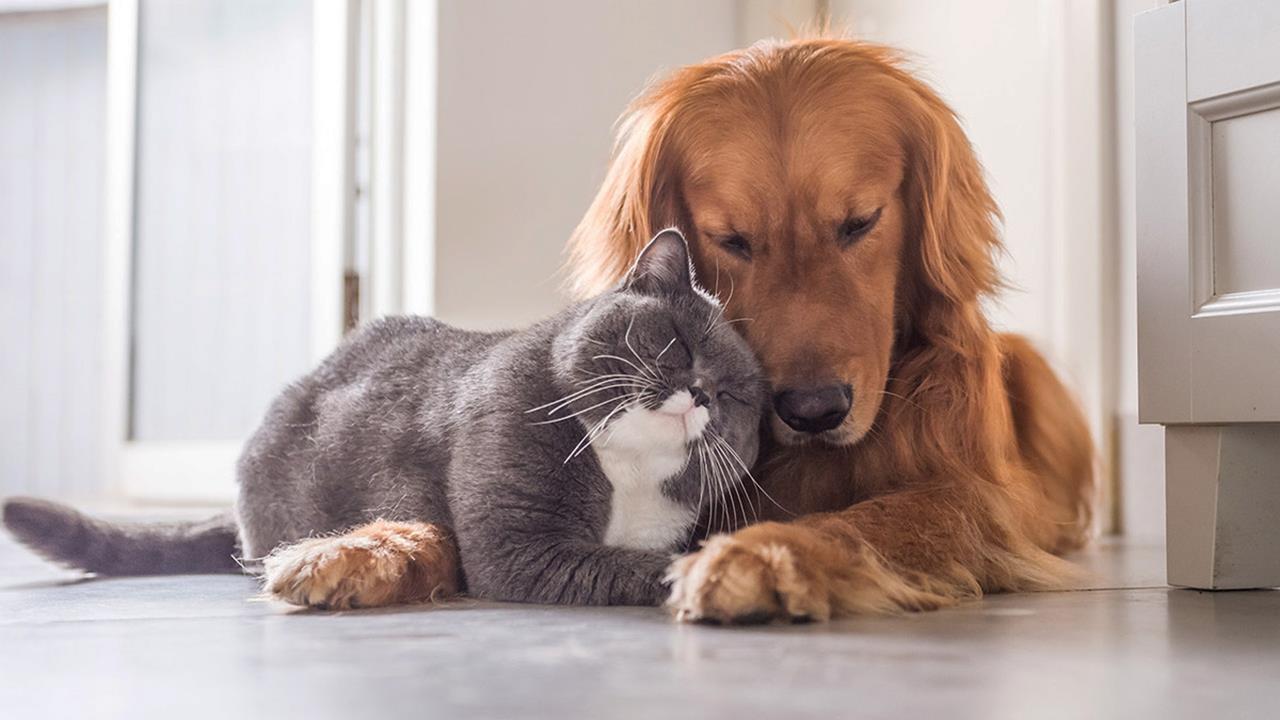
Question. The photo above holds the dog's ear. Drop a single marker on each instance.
(947, 195)
(662, 267)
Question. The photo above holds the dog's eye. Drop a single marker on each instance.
(852, 229)
(737, 245)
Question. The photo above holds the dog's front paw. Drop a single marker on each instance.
(750, 577)
(377, 564)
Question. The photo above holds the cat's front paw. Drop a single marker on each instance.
(381, 563)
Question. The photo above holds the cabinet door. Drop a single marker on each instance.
(1208, 202)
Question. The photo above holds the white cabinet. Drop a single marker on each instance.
(1207, 120)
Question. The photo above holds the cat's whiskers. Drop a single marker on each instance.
(650, 399)
(646, 382)
(702, 484)
(727, 323)
(576, 413)
(731, 457)
(603, 425)
(636, 402)
(725, 484)
(571, 396)
(707, 480)
(606, 377)
(599, 381)
(724, 305)
(589, 435)
(731, 487)
(716, 292)
(595, 430)
(596, 377)
(658, 357)
(643, 371)
(626, 339)
(746, 471)
(585, 392)
(662, 352)
(726, 508)
(739, 490)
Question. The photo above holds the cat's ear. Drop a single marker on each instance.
(663, 266)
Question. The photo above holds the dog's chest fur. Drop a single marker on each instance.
(638, 454)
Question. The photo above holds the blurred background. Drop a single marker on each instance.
(197, 197)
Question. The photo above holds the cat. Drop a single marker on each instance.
(563, 463)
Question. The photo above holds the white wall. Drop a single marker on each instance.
(528, 94)
(52, 86)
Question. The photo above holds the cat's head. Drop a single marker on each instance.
(656, 368)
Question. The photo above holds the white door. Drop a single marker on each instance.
(52, 86)
(224, 257)
(1208, 181)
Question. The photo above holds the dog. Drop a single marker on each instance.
(915, 457)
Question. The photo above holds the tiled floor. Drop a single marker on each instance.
(202, 647)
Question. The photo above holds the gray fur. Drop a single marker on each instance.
(67, 536)
(413, 420)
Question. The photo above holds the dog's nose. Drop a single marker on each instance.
(814, 410)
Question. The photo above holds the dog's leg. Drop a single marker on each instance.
(913, 550)
(381, 563)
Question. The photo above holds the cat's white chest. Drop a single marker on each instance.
(639, 452)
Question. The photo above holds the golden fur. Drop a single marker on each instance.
(381, 563)
(964, 463)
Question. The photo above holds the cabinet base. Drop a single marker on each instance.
(1222, 493)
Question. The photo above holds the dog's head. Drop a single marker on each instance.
(831, 200)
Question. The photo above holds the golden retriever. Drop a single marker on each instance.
(831, 199)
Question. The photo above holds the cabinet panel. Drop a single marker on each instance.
(1246, 214)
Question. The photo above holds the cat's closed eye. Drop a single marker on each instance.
(675, 356)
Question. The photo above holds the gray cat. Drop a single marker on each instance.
(569, 460)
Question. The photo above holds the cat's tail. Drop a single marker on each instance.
(68, 537)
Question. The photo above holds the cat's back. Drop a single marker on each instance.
(405, 340)
(409, 343)
(390, 368)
